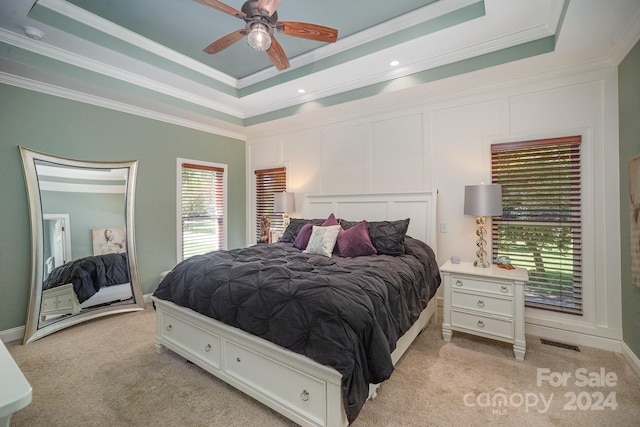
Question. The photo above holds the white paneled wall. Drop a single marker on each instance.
(346, 153)
(399, 160)
(457, 137)
(444, 144)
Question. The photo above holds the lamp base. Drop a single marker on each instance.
(481, 263)
(481, 260)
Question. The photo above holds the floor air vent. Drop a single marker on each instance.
(560, 344)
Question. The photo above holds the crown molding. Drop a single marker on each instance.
(76, 13)
(58, 54)
(62, 92)
(627, 42)
(425, 13)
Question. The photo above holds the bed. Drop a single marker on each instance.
(86, 282)
(310, 335)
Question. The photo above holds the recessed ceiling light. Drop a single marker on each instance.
(394, 63)
(301, 91)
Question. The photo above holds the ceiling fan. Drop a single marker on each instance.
(261, 18)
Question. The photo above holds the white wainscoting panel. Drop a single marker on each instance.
(345, 154)
(398, 157)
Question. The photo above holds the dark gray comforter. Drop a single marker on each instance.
(89, 274)
(347, 313)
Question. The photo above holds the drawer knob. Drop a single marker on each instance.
(169, 327)
(207, 348)
(458, 282)
(504, 289)
(480, 303)
(304, 395)
(238, 360)
(480, 324)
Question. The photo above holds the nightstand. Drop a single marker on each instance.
(487, 302)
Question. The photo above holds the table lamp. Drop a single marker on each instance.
(284, 202)
(481, 201)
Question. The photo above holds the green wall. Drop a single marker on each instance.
(629, 98)
(90, 210)
(72, 129)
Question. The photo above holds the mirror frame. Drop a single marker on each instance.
(29, 158)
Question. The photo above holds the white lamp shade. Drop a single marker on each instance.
(284, 202)
(483, 200)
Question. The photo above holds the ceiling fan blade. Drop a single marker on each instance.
(269, 6)
(277, 55)
(218, 5)
(308, 31)
(225, 41)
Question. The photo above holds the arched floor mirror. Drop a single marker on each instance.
(83, 258)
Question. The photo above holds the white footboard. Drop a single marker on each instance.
(299, 388)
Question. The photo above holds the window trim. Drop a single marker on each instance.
(179, 162)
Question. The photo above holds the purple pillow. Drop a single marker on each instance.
(355, 242)
(330, 221)
(302, 239)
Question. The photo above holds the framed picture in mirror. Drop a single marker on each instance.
(108, 241)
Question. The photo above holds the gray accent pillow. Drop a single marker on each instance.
(386, 236)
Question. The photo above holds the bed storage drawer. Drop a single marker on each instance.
(279, 382)
(202, 344)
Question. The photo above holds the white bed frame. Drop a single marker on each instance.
(299, 388)
(62, 300)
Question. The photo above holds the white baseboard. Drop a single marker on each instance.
(13, 334)
(575, 338)
(633, 360)
(147, 298)
(17, 333)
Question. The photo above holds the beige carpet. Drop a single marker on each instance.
(107, 373)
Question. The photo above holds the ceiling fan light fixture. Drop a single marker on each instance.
(259, 38)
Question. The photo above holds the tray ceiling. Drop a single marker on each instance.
(147, 54)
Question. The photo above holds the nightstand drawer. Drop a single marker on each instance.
(484, 303)
(469, 284)
(485, 325)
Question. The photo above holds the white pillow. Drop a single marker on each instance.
(322, 240)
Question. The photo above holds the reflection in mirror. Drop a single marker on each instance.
(82, 238)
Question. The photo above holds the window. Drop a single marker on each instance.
(202, 204)
(269, 181)
(541, 225)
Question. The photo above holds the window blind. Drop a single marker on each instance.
(202, 200)
(269, 181)
(541, 225)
